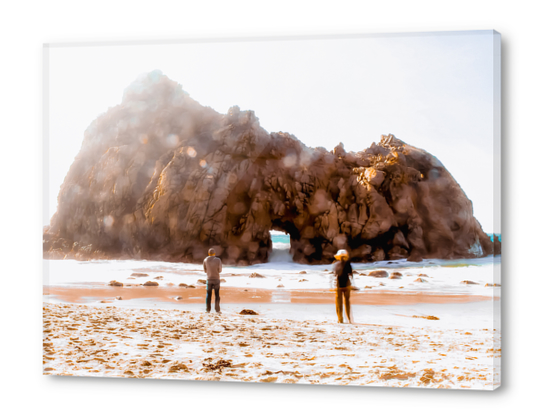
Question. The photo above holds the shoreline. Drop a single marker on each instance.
(82, 294)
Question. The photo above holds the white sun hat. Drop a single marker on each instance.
(341, 253)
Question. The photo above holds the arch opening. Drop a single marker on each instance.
(281, 234)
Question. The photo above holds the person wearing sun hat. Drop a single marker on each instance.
(343, 272)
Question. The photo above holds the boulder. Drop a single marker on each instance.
(115, 283)
(150, 283)
(248, 312)
(397, 253)
(378, 273)
(374, 176)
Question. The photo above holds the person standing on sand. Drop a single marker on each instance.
(213, 267)
(343, 271)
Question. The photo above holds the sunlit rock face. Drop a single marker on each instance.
(162, 177)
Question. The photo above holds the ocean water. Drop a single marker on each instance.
(281, 248)
(280, 239)
(429, 276)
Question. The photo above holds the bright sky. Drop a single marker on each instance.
(434, 91)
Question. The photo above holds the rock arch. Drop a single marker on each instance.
(162, 177)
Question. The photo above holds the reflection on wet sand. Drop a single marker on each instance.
(236, 295)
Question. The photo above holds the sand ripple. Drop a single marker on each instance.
(173, 344)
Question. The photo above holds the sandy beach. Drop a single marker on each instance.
(179, 344)
(429, 324)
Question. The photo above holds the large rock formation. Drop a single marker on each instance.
(162, 177)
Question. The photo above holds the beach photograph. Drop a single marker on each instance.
(291, 210)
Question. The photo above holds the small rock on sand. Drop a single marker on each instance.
(468, 282)
(492, 285)
(256, 275)
(178, 297)
(119, 298)
(190, 286)
(248, 312)
(222, 281)
(139, 275)
(159, 278)
(430, 317)
(150, 283)
(201, 281)
(115, 283)
(177, 366)
(302, 272)
(378, 273)
(280, 285)
(420, 280)
(303, 280)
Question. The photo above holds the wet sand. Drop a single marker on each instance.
(85, 294)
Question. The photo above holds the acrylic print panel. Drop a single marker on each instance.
(318, 210)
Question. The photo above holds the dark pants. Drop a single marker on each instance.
(213, 285)
(340, 293)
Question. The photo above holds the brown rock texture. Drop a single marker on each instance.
(162, 177)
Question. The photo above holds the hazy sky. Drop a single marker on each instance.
(434, 91)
